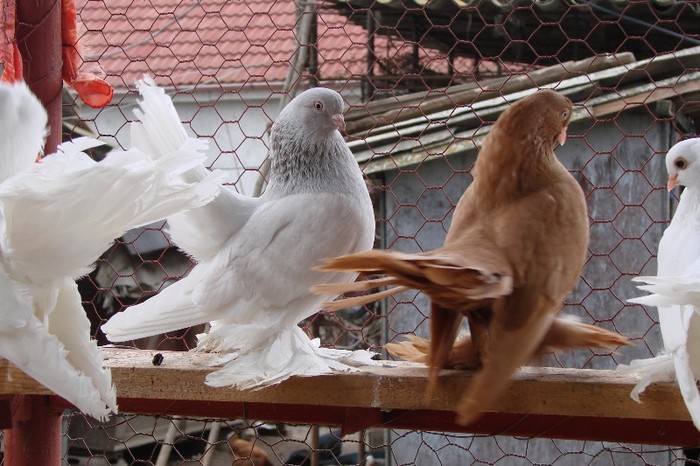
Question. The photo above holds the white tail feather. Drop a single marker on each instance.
(125, 190)
(42, 356)
(171, 309)
(71, 326)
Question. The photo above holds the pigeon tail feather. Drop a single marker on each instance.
(71, 326)
(123, 191)
(169, 310)
(46, 363)
(160, 131)
(441, 274)
(565, 333)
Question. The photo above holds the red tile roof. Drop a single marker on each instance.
(212, 42)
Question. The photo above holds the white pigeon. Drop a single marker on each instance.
(56, 218)
(676, 288)
(255, 255)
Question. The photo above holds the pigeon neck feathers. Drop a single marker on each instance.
(678, 248)
(310, 160)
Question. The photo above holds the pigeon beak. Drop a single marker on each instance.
(338, 121)
(562, 136)
(672, 182)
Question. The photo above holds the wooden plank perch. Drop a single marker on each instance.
(542, 402)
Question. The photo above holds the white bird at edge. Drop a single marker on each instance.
(255, 255)
(56, 218)
(676, 288)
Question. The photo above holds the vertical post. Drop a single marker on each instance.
(35, 436)
(39, 41)
(315, 454)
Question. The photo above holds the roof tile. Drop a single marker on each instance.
(231, 42)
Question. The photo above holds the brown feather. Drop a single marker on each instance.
(515, 248)
(564, 334)
(444, 328)
(246, 453)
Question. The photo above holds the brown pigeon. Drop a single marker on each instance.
(515, 249)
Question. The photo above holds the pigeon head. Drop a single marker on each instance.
(554, 121)
(307, 151)
(683, 164)
(318, 111)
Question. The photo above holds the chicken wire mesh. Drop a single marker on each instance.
(422, 80)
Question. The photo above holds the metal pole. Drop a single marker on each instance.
(35, 436)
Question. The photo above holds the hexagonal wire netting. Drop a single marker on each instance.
(422, 80)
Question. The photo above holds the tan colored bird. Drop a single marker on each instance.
(514, 250)
(246, 453)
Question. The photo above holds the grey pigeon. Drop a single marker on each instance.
(255, 255)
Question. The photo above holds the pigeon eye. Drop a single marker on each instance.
(318, 105)
(680, 164)
(565, 114)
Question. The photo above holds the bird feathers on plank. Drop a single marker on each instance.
(56, 218)
(255, 255)
(515, 248)
(675, 291)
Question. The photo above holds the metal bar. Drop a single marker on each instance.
(176, 426)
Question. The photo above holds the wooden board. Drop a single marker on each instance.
(549, 402)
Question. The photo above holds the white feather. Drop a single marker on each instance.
(56, 219)
(21, 143)
(675, 291)
(255, 254)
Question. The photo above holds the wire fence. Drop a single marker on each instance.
(422, 81)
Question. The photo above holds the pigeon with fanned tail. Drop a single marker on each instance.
(515, 248)
(56, 218)
(676, 288)
(254, 255)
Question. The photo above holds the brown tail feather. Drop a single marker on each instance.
(441, 275)
(416, 349)
(361, 300)
(566, 333)
(360, 285)
(444, 327)
(374, 260)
